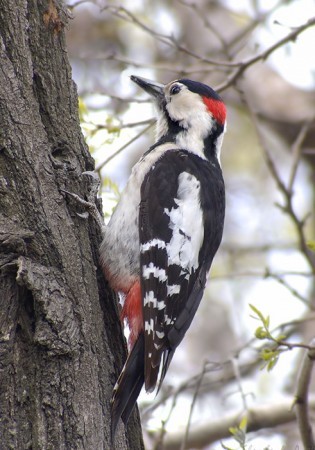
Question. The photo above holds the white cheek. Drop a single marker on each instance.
(181, 106)
(190, 111)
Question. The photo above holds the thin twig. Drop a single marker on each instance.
(78, 3)
(119, 127)
(238, 378)
(297, 151)
(159, 442)
(285, 284)
(127, 99)
(240, 36)
(194, 399)
(256, 247)
(206, 22)
(288, 195)
(242, 66)
(259, 274)
(291, 346)
(222, 372)
(169, 40)
(102, 164)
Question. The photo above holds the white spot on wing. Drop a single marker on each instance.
(173, 289)
(160, 334)
(150, 298)
(153, 243)
(186, 222)
(168, 320)
(151, 269)
(149, 326)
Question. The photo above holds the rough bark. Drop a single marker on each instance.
(61, 344)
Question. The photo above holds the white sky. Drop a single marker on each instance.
(295, 61)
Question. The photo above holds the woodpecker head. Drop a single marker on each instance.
(190, 113)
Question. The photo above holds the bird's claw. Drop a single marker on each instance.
(89, 206)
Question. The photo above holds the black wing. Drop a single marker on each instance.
(180, 221)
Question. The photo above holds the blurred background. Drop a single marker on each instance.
(260, 56)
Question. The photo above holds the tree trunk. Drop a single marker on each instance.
(61, 343)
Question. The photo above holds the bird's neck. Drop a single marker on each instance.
(192, 139)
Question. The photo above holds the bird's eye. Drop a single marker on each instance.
(175, 89)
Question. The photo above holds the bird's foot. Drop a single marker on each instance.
(89, 205)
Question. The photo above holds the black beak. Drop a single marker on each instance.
(151, 87)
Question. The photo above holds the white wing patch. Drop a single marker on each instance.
(173, 289)
(160, 334)
(149, 326)
(150, 298)
(151, 269)
(186, 221)
(153, 243)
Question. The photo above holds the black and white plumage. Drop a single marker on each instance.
(161, 240)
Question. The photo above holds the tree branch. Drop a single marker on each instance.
(214, 375)
(302, 401)
(264, 55)
(286, 191)
(260, 417)
(297, 151)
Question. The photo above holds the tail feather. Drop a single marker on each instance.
(128, 386)
(155, 370)
(167, 358)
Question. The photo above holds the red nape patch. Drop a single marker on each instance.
(132, 312)
(216, 108)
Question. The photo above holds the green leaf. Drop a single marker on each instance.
(257, 312)
(111, 126)
(281, 337)
(233, 430)
(271, 364)
(260, 333)
(266, 354)
(239, 433)
(270, 358)
(311, 245)
(226, 447)
(82, 109)
(243, 424)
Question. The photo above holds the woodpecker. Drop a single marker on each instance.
(160, 242)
